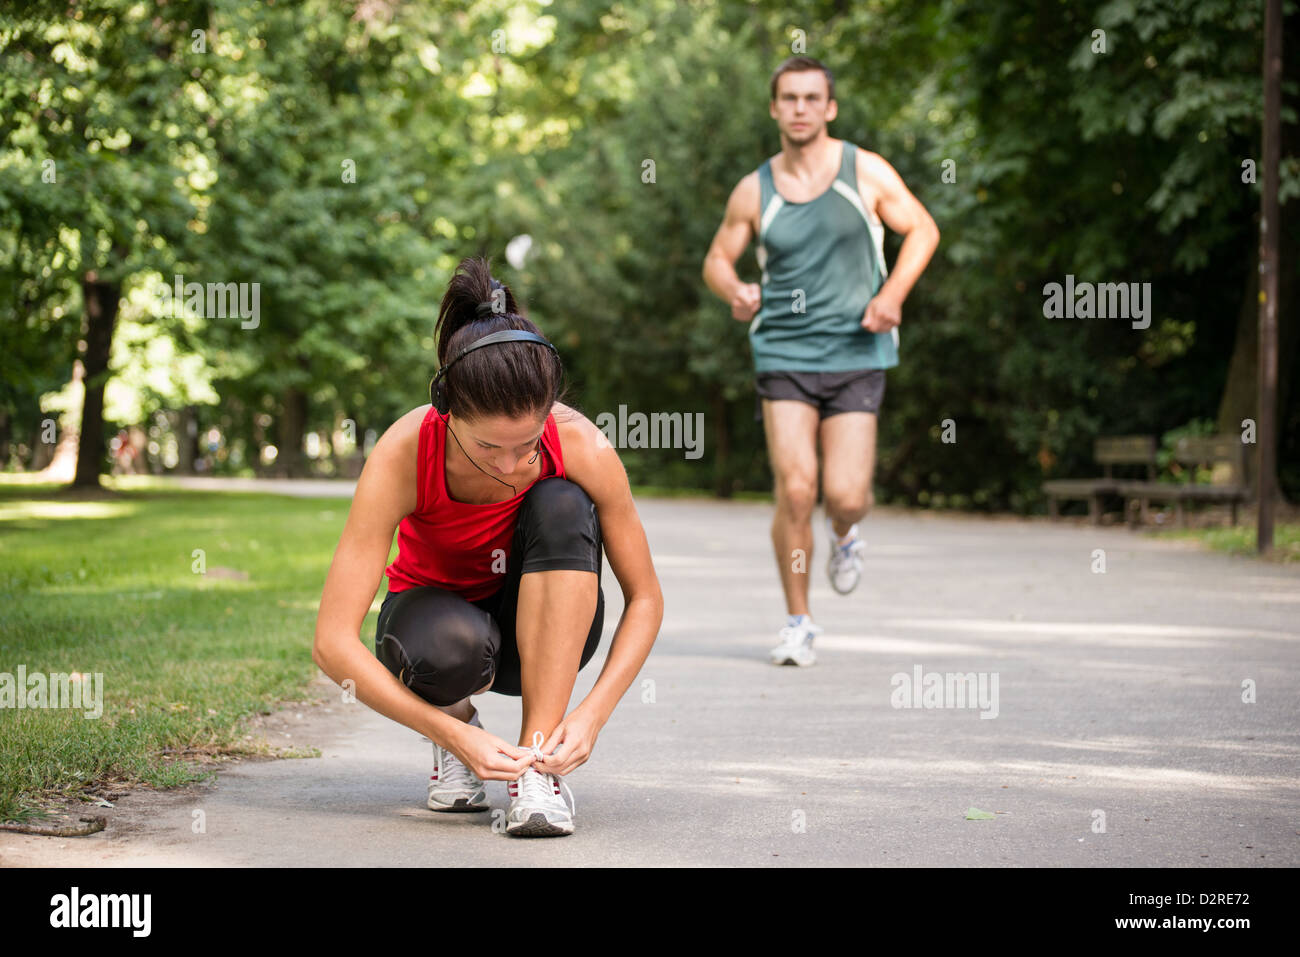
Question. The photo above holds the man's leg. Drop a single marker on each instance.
(791, 429)
(848, 463)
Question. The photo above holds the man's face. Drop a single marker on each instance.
(801, 108)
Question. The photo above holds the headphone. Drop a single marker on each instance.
(505, 335)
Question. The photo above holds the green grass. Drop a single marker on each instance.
(107, 585)
(1241, 539)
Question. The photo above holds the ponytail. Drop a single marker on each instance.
(513, 379)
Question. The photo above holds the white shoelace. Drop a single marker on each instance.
(537, 784)
(797, 634)
(452, 773)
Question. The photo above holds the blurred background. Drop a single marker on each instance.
(344, 155)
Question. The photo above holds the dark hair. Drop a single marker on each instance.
(513, 379)
(798, 64)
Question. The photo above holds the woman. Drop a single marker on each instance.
(504, 496)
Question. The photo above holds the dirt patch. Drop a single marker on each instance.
(295, 729)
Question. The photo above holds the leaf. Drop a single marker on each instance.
(975, 814)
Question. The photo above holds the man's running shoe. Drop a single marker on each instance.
(452, 786)
(844, 567)
(796, 642)
(537, 807)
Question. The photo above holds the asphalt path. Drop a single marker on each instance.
(1117, 726)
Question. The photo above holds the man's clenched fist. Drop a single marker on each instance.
(746, 301)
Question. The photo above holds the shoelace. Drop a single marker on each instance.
(538, 784)
(454, 774)
(852, 549)
(796, 634)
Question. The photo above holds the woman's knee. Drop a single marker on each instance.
(567, 501)
(559, 527)
(440, 646)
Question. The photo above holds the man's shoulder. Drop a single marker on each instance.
(871, 164)
(748, 183)
(746, 196)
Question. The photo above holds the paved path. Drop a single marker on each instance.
(298, 488)
(1119, 695)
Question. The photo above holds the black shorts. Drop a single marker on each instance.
(444, 647)
(861, 390)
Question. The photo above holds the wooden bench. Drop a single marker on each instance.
(1193, 452)
(1108, 451)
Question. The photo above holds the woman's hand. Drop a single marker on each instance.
(572, 741)
(488, 756)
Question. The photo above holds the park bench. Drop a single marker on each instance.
(1107, 451)
(1212, 451)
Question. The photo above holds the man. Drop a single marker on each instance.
(824, 323)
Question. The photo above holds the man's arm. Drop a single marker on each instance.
(903, 213)
(729, 243)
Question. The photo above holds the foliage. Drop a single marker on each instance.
(611, 135)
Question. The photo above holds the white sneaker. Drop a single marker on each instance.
(796, 642)
(537, 807)
(452, 786)
(844, 567)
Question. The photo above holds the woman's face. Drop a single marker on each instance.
(499, 444)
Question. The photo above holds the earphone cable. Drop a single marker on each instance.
(476, 465)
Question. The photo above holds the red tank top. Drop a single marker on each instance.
(455, 545)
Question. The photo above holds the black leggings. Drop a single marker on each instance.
(445, 648)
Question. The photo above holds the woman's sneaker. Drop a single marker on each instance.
(537, 807)
(452, 786)
(844, 567)
(796, 642)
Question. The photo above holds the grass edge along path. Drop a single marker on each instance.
(1241, 539)
(182, 614)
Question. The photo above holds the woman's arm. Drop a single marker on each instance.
(591, 462)
(386, 493)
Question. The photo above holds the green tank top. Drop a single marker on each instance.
(822, 262)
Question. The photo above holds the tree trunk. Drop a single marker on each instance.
(187, 439)
(293, 423)
(1241, 389)
(101, 299)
